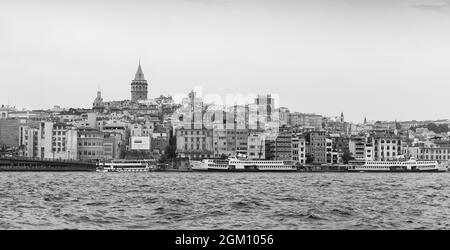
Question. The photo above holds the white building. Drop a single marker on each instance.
(28, 141)
(57, 141)
(140, 143)
(299, 150)
(388, 148)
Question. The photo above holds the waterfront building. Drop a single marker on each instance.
(9, 131)
(332, 155)
(241, 141)
(229, 130)
(256, 146)
(362, 147)
(160, 139)
(340, 145)
(281, 148)
(435, 154)
(28, 141)
(90, 144)
(220, 146)
(230, 142)
(413, 151)
(139, 86)
(119, 127)
(57, 141)
(387, 147)
(298, 149)
(236, 141)
(316, 141)
(113, 145)
(194, 143)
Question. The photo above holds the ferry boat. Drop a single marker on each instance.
(238, 165)
(126, 166)
(410, 165)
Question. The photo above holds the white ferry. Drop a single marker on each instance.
(411, 165)
(126, 166)
(234, 164)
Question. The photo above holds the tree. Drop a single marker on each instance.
(171, 149)
(170, 152)
(309, 159)
(346, 157)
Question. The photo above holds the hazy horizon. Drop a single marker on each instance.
(384, 60)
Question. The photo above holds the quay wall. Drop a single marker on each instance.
(17, 164)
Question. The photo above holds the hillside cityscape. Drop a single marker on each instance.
(193, 129)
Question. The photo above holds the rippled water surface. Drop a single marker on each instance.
(224, 201)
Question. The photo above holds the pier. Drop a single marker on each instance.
(29, 164)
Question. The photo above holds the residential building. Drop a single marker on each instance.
(194, 143)
(305, 120)
(362, 147)
(316, 141)
(28, 141)
(434, 154)
(91, 144)
(281, 149)
(298, 154)
(256, 146)
(57, 141)
(387, 147)
(113, 145)
(160, 139)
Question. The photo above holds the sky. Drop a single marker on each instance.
(383, 59)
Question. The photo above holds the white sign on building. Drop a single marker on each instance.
(140, 143)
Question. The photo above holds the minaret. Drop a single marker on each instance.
(139, 86)
(342, 116)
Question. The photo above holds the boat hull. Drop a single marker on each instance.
(397, 171)
(242, 170)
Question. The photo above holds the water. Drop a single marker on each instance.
(224, 200)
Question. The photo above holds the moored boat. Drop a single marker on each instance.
(126, 166)
(410, 165)
(243, 165)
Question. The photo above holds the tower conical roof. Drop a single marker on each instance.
(139, 74)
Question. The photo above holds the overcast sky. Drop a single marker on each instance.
(384, 59)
